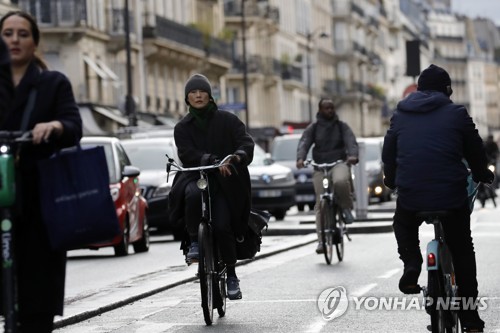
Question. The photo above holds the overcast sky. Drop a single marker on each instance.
(473, 8)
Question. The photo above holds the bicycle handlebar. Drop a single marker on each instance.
(16, 136)
(172, 163)
(322, 165)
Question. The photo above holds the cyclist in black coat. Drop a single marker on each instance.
(423, 154)
(202, 137)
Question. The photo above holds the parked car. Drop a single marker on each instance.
(130, 205)
(149, 155)
(273, 185)
(284, 152)
(374, 169)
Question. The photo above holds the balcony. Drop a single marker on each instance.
(187, 36)
(67, 13)
(262, 9)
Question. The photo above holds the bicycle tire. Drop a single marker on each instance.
(436, 290)
(222, 294)
(339, 228)
(326, 219)
(206, 272)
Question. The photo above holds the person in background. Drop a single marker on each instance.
(55, 123)
(333, 140)
(204, 136)
(423, 152)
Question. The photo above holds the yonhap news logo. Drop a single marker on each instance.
(333, 302)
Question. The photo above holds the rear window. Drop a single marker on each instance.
(147, 156)
(286, 149)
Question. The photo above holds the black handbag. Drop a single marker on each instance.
(248, 245)
(76, 203)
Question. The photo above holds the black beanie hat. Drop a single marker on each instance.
(198, 81)
(435, 78)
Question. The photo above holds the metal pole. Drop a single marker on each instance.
(245, 71)
(308, 65)
(129, 101)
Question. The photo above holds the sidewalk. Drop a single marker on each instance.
(379, 219)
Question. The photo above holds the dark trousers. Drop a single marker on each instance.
(456, 227)
(221, 220)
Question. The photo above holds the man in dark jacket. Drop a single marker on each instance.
(423, 154)
(202, 137)
(333, 140)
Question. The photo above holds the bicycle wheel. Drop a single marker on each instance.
(339, 230)
(221, 294)
(205, 272)
(436, 292)
(326, 218)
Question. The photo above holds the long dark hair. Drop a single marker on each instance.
(35, 31)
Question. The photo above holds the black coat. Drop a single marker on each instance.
(226, 135)
(41, 271)
(424, 149)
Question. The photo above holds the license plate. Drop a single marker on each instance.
(305, 198)
(269, 193)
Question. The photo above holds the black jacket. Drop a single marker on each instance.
(226, 135)
(333, 140)
(41, 270)
(423, 152)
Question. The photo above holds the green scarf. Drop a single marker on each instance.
(201, 116)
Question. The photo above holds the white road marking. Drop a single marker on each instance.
(363, 290)
(389, 274)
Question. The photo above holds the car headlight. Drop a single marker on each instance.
(161, 191)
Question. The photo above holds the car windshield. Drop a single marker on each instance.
(259, 157)
(372, 151)
(286, 150)
(148, 156)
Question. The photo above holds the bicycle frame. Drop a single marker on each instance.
(7, 200)
(334, 232)
(441, 288)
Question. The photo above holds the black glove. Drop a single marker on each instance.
(486, 177)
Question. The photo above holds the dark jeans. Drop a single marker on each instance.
(221, 220)
(456, 227)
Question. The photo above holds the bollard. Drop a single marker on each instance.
(360, 180)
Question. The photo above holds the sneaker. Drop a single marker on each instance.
(348, 216)
(233, 288)
(408, 284)
(319, 249)
(194, 251)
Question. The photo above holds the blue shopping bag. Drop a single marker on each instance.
(76, 203)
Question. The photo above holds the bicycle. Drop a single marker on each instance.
(211, 269)
(441, 285)
(441, 290)
(333, 227)
(8, 141)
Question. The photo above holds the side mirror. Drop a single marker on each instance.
(131, 171)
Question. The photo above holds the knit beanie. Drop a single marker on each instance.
(435, 78)
(197, 82)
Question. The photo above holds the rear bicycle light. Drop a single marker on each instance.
(431, 260)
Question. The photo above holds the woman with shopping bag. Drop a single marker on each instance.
(44, 103)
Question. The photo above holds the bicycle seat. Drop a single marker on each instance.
(430, 216)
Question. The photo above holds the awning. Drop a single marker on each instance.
(95, 67)
(90, 126)
(113, 114)
(107, 70)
